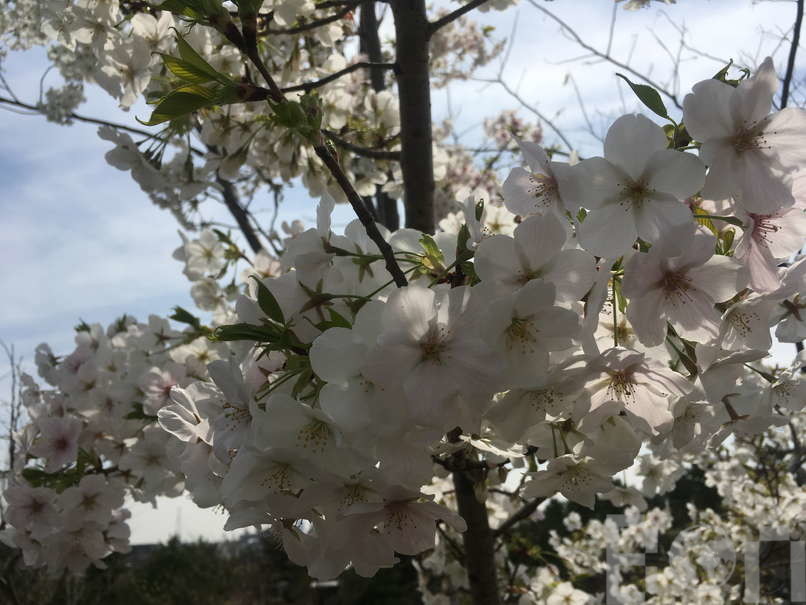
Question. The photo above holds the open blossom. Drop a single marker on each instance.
(578, 479)
(536, 251)
(769, 239)
(523, 328)
(428, 348)
(637, 385)
(537, 190)
(636, 190)
(679, 280)
(58, 441)
(750, 152)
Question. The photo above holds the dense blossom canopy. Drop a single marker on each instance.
(599, 307)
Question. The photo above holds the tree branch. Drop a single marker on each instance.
(90, 120)
(363, 213)
(375, 154)
(451, 17)
(519, 515)
(238, 213)
(306, 86)
(793, 51)
(298, 29)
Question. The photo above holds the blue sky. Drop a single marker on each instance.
(80, 240)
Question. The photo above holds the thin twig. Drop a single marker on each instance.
(90, 120)
(306, 86)
(298, 29)
(522, 513)
(606, 56)
(793, 51)
(375, 154)
(450, 17)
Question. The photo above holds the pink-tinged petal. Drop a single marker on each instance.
(567, 190)
(523, 193)
(608, 231)
(597, 182)
(631, 141)
(763, 187)
(657, 217)
(646, 316)
(785, 135)
(573, 272)
(535, 156)
(752, 99)
(538, 239)
(720, 278)
(412, 308)
(693, 315)
(788, 233)
(677, 173)
(746, 326)
(336, 356)
(706, 111)
(722, 161)
(496, 258)
(759, 262)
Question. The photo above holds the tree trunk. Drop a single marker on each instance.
(478, 540)
(414, 93)
(371, 46)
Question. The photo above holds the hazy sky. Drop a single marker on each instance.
(80, 240)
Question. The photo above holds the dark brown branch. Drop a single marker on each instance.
(375, 154)
(249, 47)
(90, 120)
(373, 67)
(451, 17)
(793, 51)
(362, 213)
(237, 211)
(605, 56)
(414, 94)
(298, 29)
(519, 515)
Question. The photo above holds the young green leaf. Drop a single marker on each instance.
(267, 302)
(648, 96)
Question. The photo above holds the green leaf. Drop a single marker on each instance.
(195, 60)
(244, 331)
(186, 71)
(463, 253)
(338, 321)
(648, 96)
(432, 251)
(267, 303)
(187, 99)
(183, 316)
(727, 239)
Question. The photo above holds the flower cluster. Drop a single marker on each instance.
(604, 306)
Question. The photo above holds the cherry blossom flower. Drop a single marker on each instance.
(679, 280)
(536, 252)
(749, 152)
(578, 479)
(57, 441)
(636, 190)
